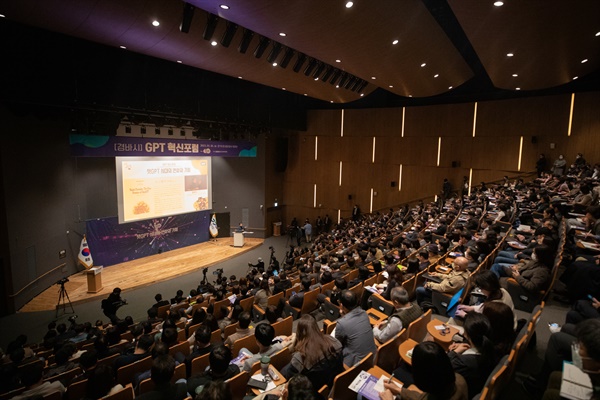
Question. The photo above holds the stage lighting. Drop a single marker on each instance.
(336, 75)
(186, 20)
(319, 71)
(211, 25)
(246, 39)
(287, 57)
(229, 33)
(274, 52)
(312, 63)
(299, 61)
(328, 73)
(343, 79)
(263, 43)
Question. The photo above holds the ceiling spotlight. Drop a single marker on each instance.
(498, 3)
(515, 75)
(224, 6)
(274, 64)
(391, 86)
(155, 23)
(179, 61)
(518, 88)
(214, 43)
(422, 65)
(283, 88)
(449, 87)
(312, 63)
(584, 60)
(122, 47)
(305, 94)
(373, 77)
(299, 61)
(246, 39)
(509, 54)
(230, 31)
(319, 71)
(277, 47)
(597, 34)
(186, 19)
(239, 77)
(287, 57)
(282, 34)
(338, 60)
(362, 94)
(349, 4)
(263, 43)
(575, 77)
(395, 41)
(211, 25)
(436, 75)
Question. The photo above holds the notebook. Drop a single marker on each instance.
(453, 303)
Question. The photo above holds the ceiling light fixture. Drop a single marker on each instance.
(515, 75)
(274, 64)
(518, 88)
(575, 77)
(263, 43)
(186, 19)
(211, 25)
(214, 43)
(239, 77)
(509, 54)
(498, 3)
(338, 61)
(230, 31)
(299, 61)
(422, 65)
(179, 61)
(155, 23)
(597, 33)
(283, 88)
(319, 71)
(122, 47)
(373, 77)
(282, 34)
(449, 87)
(436, 75)
(349, 4)
(287, 57)
(395, 41)
(277, 47)
(362, 94)
(391, 86)
(584, 60)
(246, 39)
(305, 94)
(4, 16)
(224, 6)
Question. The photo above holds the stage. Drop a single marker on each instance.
(144, 272)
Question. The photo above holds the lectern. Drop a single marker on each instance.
(238, 239)
(94, 279)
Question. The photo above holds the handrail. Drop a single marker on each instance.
(37, 279)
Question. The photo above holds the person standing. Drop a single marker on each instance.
(111, 304)
(558, 169)
(307, 231)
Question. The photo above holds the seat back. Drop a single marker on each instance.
(162, 311)
(238, 385)
(288, 292)
(310, 302)
(218, 306)
(199, 364)
(230, 329)
(497, 381)
(215, 337)
(65, 376)
(246, 304)
(125, 373)
(192, 330)
(409, 285)
(248, 342)
(284, 327)
(182, 347)
(76, 390)
(370, 281)
(418, 328)
(124, 394)
(148, 385)
(332, 312)
(357, 289)
(381, 304)
(327, 286)
(281, 358)
(274, 299)
(341, 383)
(387, 356)
(352, 275)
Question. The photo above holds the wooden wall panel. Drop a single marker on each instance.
(440, 120)
(533, 116)
(389, 150)
(456, 149)
(496, 153)
(329, 148)
(373, 122)
(356, 149)
(324, 122)
(419, 151)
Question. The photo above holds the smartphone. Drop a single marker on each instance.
(589, 296)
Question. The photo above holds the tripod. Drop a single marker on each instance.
(63, 299)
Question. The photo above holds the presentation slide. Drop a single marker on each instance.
(150, 187)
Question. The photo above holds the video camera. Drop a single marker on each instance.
(218, 271)
(62, 281)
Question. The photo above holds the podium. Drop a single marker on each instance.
(238, 239)
(94, 279)
(276, 228)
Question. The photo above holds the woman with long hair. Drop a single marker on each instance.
(261, 297)
(503, 332)
(433, 376)
(318, 356)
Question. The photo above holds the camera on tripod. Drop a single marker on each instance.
(62, 281)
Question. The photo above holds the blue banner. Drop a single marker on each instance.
(113, 243)
(119, 146)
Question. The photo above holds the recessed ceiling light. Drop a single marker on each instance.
(597, 33)
(515, 75)
(224, 6)
(362, 94)
(213, 43)
(509, 54)
(349, 4)
(282, 34)
(449, 87)
(239, 77)
(331, 101)
(422, 65)
(274, 64)
(179, 61)
(122, 47)
(338, 60)
(584, 60)
(498, 3)
(395, 41)
(283, 88)
(4, 16)
(518, 88)
(305, 94)
(391, 85)
(337, 86)
(575, 77)
(155, 23)
(436, 75)
(373, 77)
(410, 95)
(317, 78)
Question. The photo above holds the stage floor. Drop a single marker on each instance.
(144, 272)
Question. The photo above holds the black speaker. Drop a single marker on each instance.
(349, 197)
(393, 184)
(534, 139)
(281, 154)
(455, 164)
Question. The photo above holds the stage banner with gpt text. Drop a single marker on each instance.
(113, 243)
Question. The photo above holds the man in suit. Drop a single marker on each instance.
(202, 346)
(354, 330)
(296, 300)
(160, 302)
(283, 284)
